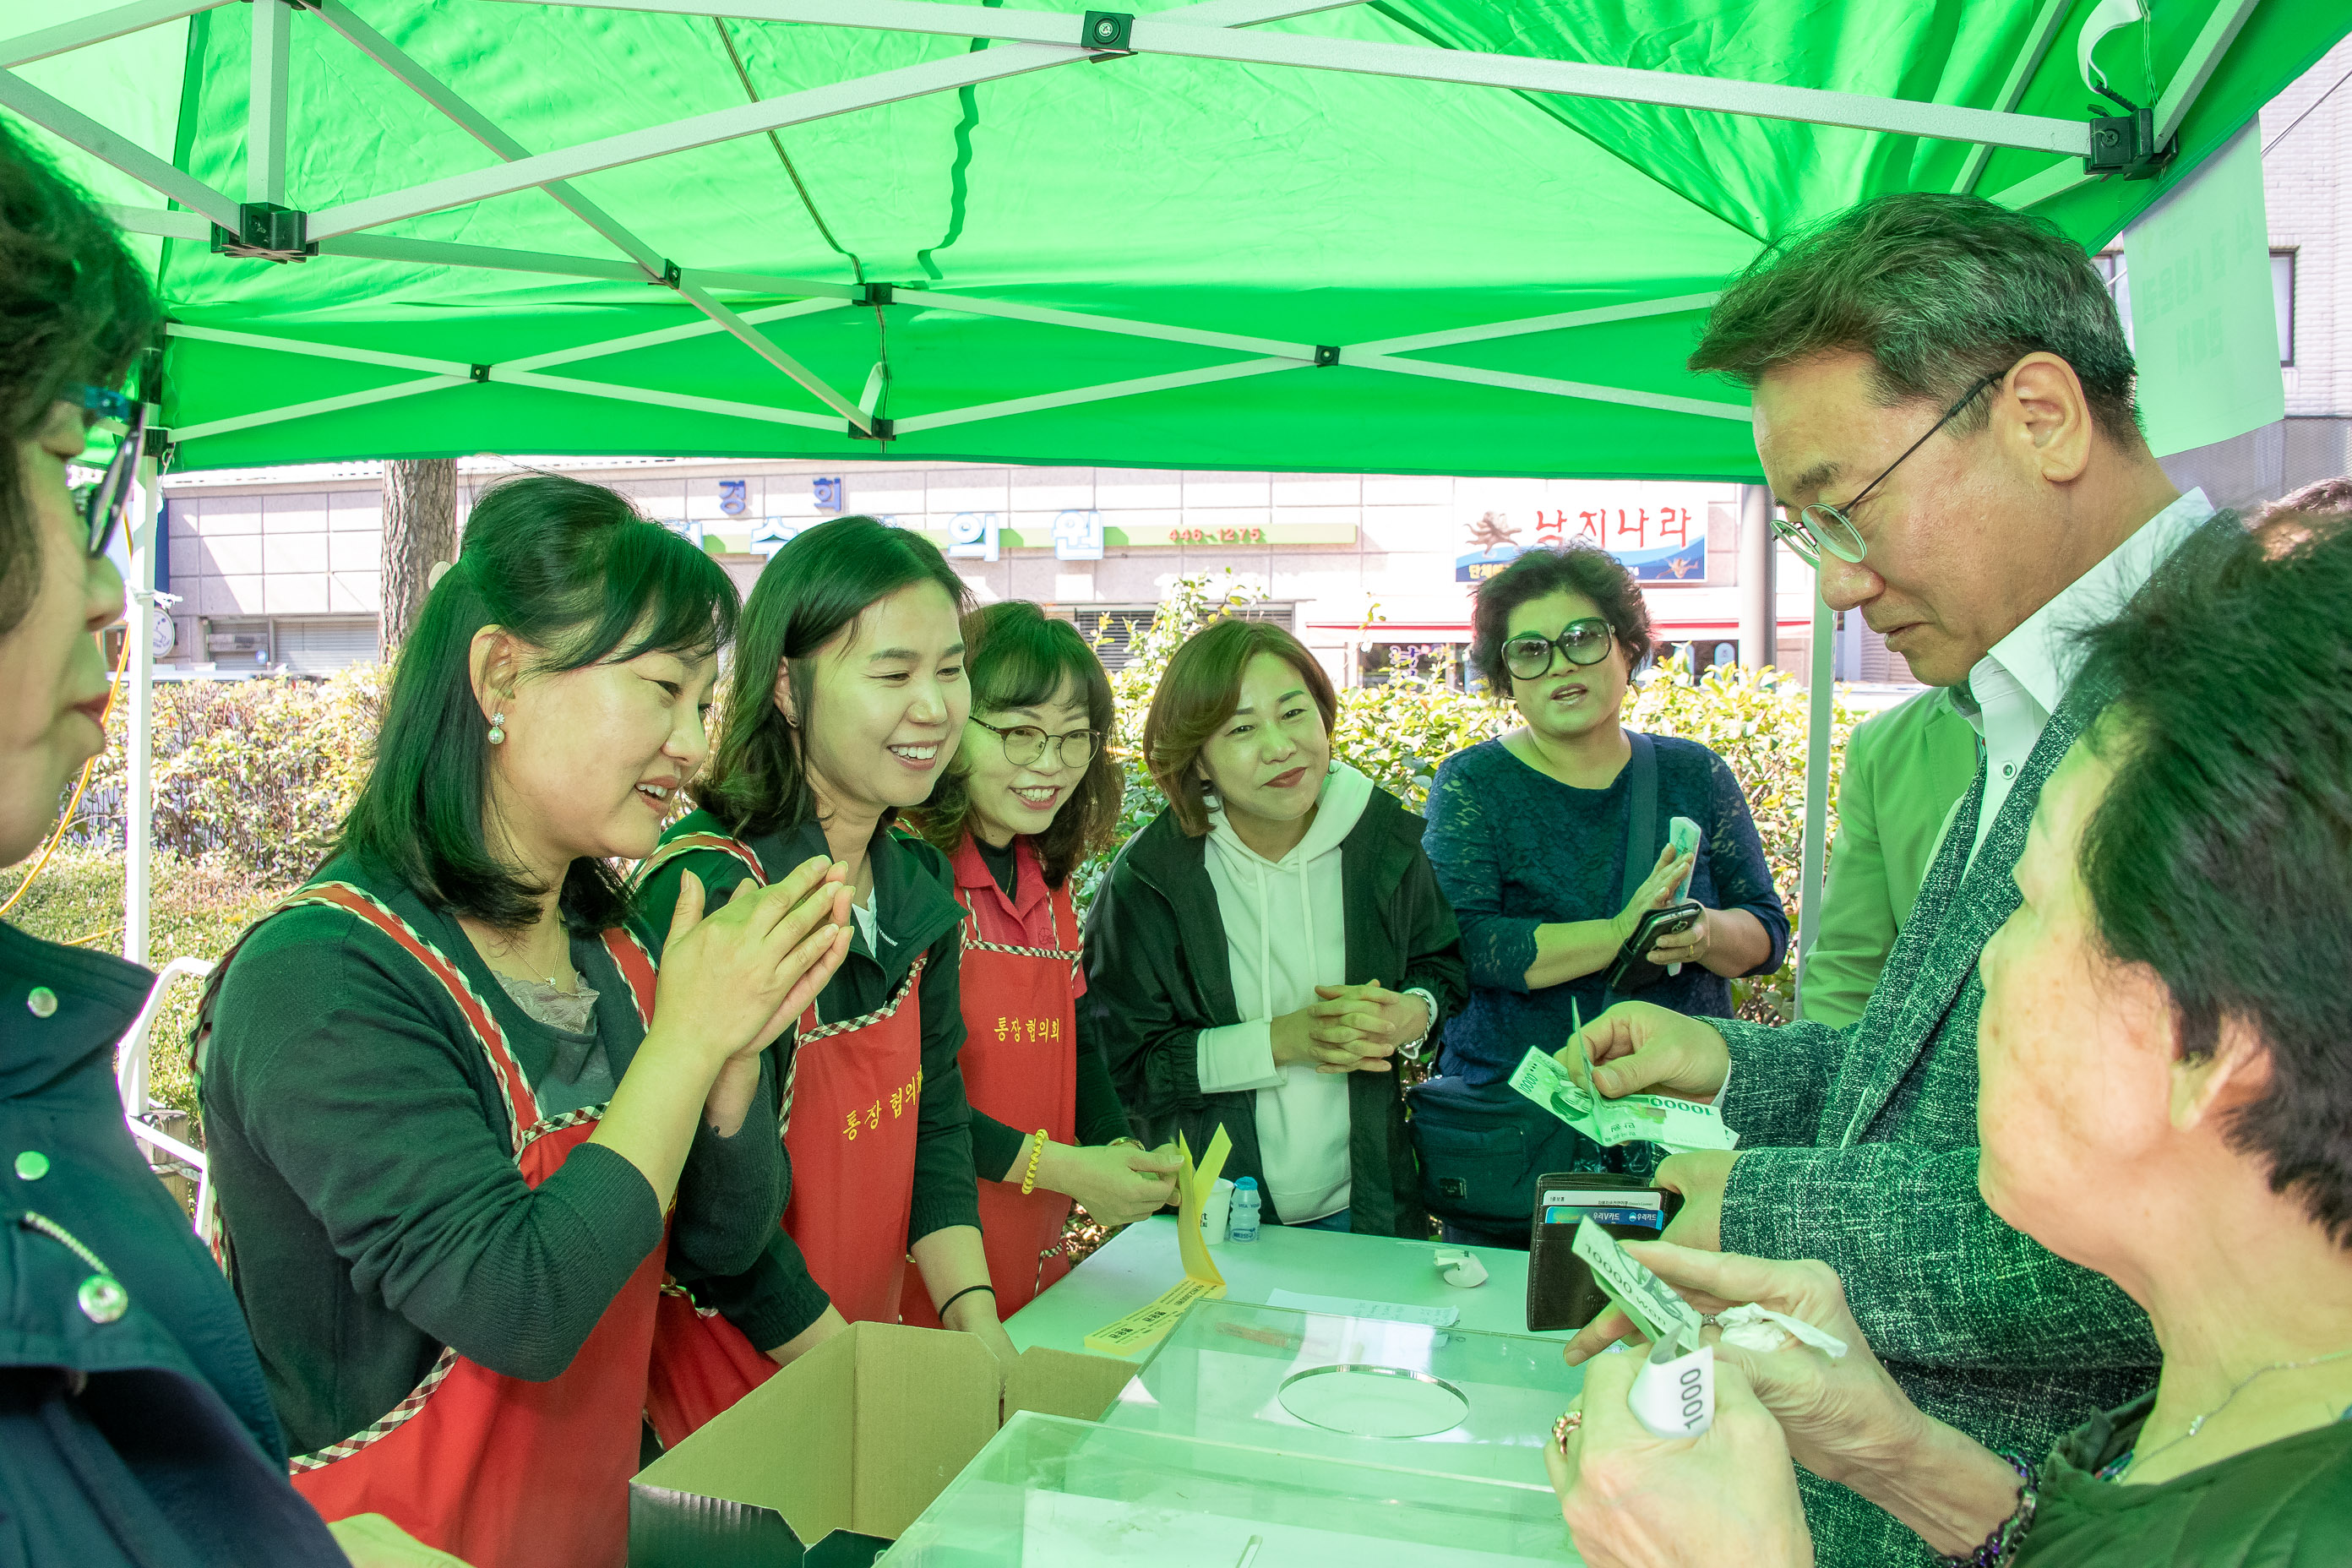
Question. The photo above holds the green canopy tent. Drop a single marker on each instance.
(1463, 236)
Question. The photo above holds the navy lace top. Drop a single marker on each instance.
(1514, 848)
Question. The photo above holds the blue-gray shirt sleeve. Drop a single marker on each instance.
(1465, 846)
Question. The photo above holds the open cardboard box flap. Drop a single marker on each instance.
(857, 1436)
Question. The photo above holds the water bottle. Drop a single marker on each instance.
(1242, 1225)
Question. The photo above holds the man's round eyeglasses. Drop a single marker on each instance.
(104, 502)
(1529, 658)
(1822, 526)
(1026, 744)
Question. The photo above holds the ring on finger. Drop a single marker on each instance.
(1571, 1422)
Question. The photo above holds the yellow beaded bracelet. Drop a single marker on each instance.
(1036, 1152)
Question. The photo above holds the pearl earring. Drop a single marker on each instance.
(498, 729)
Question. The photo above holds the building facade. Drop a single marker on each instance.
(277, 569)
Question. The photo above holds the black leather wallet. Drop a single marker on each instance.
(1561, 1291)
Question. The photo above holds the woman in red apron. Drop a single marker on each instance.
(845, 703)
(458, 1130)
(1033, 791)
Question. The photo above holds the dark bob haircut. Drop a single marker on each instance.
(2229, 822)
(75, 309)
(1939, 290)
(810, 590)
(1200, 691)
(1017, 655)
(573, 569)
(1580, 566)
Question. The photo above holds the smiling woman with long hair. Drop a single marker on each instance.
(844, 705)
(454, 1115)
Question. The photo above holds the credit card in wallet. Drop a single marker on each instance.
(1602, 1198)
(1655, 1218)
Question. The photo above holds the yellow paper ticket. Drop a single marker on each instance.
(1148, 1325)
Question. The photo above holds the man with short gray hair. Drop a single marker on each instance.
(1943, 406)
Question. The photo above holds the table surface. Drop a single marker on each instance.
(1141, 1262)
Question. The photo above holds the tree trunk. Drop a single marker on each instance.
(420, 527)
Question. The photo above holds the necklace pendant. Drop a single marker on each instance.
(2196, 1425)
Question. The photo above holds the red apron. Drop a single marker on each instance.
(850, 1109)
(495, 1470)
(1019, 1065)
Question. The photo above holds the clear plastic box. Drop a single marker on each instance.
(1445, 1400)
(1049, 1492)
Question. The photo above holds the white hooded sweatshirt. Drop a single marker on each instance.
(1286, 934)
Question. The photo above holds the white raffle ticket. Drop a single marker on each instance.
(1674, 1394)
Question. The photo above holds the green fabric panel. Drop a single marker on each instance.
(1305, 205)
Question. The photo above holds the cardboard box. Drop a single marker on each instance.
(829, 1460)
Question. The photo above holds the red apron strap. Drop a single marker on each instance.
(687, 844)
(636, 967)
(810, 1035)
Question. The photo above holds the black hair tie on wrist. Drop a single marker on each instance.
(959, 1296)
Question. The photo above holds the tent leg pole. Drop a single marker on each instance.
(1821, 696)
(138, 804)
(265, 125)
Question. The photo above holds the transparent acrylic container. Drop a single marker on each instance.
(1448, 1400)
(1049, 1492)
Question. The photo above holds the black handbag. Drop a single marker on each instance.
(1484, 1148)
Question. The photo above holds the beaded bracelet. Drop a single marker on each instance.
(2006, 1536)
(1036, 1152)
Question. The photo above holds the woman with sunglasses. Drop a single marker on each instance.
(1531, 835)
(114, 1324)
(1033, 792)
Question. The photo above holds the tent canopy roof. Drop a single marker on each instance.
(1136, 260)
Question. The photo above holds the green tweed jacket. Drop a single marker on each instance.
(1859, 1148)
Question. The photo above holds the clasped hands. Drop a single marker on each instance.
(1349, 1028)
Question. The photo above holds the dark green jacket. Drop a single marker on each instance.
(915, 911)
(135, 1425)
(2286, 1504)
(364, 1158)
(1157, 975)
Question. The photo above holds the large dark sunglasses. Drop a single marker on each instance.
(103, 504)
(1025, 744)
(1823, 528)
(1529, 658)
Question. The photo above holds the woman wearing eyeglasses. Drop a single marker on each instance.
(1531, 835)
(1033, 792)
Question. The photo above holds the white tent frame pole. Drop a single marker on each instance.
(680, 400)
(265, 104)
(2213, 41)
(1820, 708)
(655, 266)
(317, 406)
(1100, 394)
(139, 773)
(26, 47)
(1663, 402)
(319, 350)
(970, 305)
(1166, 35)
(505, 369)
(1592, 316)
(112, 147)
(2047, 24)
(682, 135)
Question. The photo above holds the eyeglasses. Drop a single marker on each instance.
(103, 504)
(1822, 527)
(1025, 744)
(1530, 657)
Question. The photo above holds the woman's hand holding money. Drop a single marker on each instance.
(1633, 1500)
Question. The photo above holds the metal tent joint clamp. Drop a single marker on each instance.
(478, 373)
(877, 294)
(671, 275)
(1107, 33)
(881, 432)
(1327, 353)
(267, 232)
(2126, 144)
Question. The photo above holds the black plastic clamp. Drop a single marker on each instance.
(478, 373)
(875, 294)
(670, 274)
(2126, 144)
(267, 232)
(1327, 353)
(1107, 33)
(881, 431)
